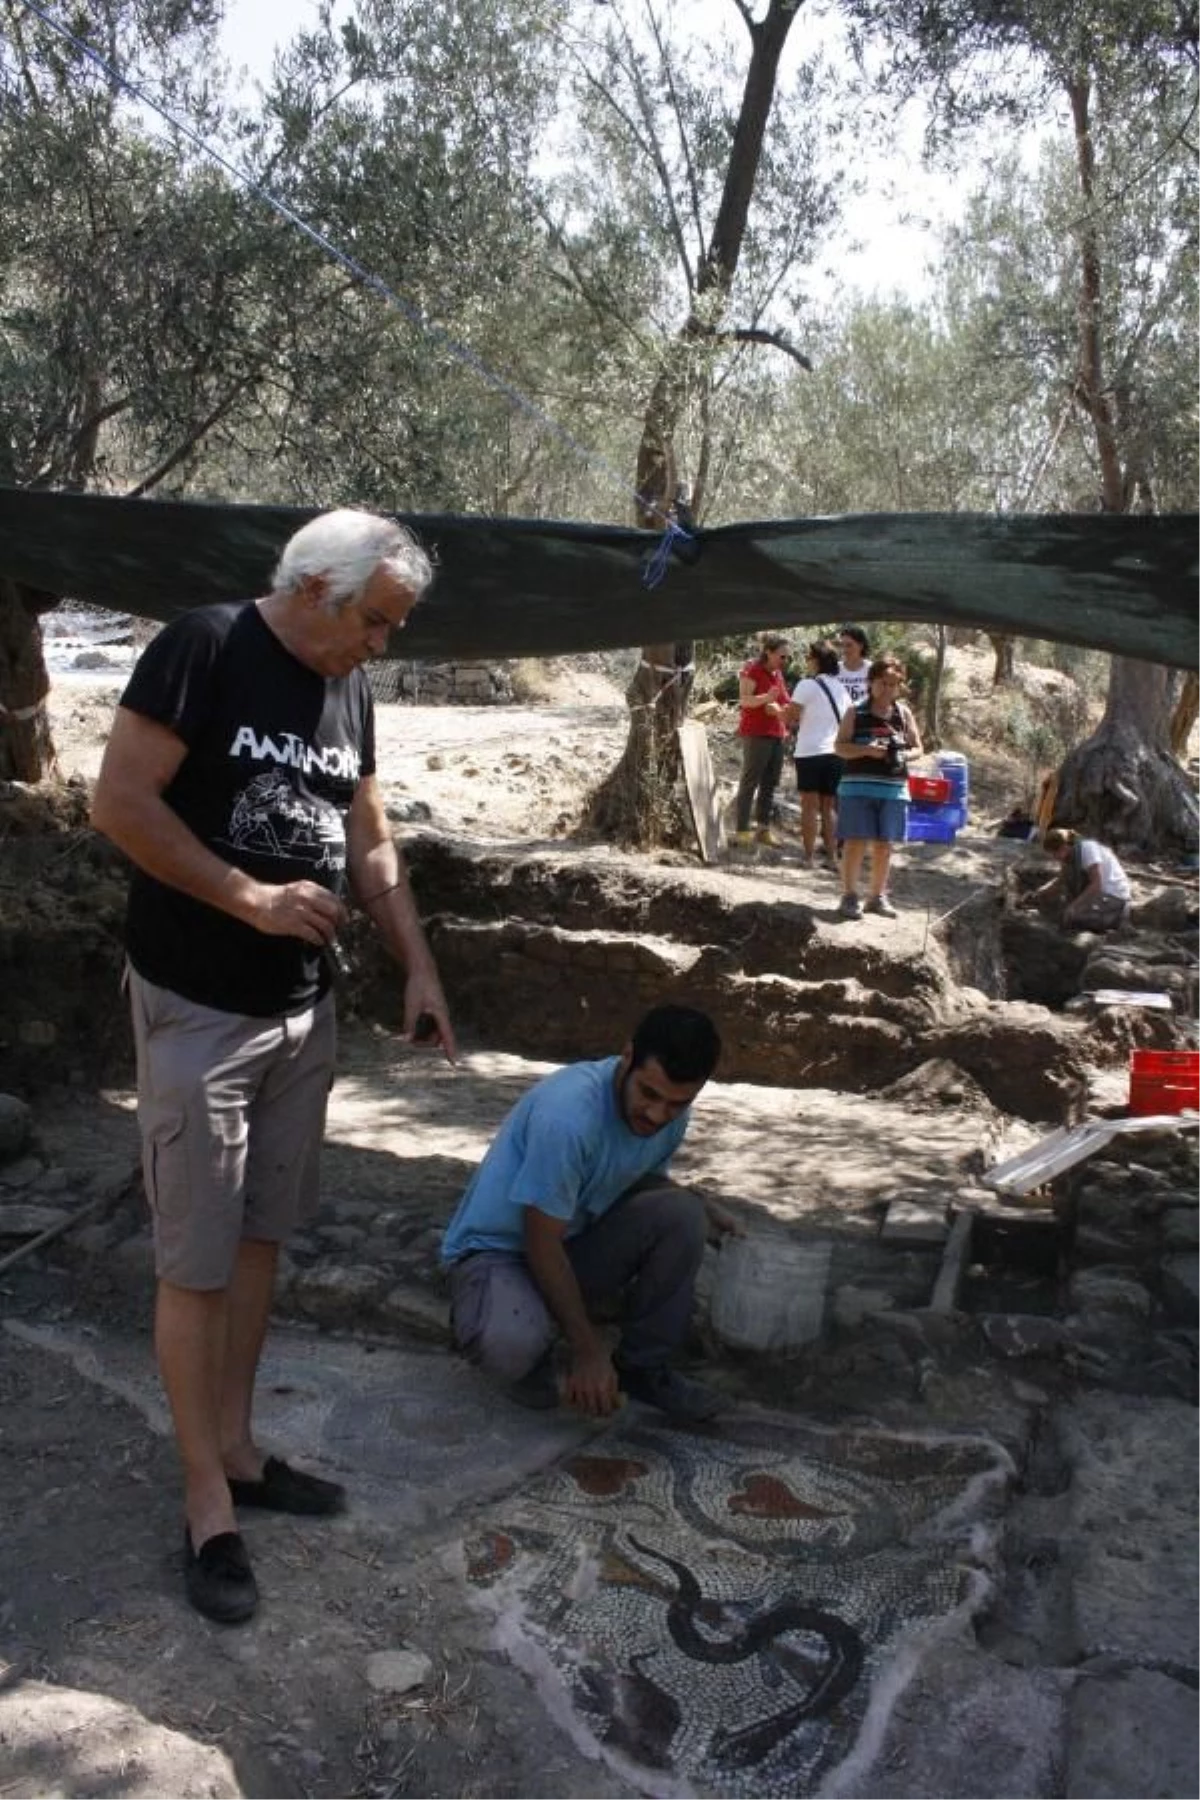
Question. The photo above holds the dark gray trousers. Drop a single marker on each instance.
(762, 765)
(644, 1251)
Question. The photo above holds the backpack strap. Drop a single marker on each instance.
(833, 703)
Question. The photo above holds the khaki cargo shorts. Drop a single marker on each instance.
(232, 1115)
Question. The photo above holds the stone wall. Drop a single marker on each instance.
(441, 684)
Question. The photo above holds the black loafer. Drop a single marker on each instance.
(284, 1489)
(220, 1582)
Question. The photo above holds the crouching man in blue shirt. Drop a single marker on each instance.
(572, 1206)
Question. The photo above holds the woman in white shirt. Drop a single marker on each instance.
(818, 703)
(1091, 882)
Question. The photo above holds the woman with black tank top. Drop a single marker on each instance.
(875, 741)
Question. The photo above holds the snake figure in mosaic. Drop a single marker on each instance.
(720, 1603)
(684, 1622)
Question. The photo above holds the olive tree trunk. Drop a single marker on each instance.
(639, 801)
(1123, 784)
(26, 746)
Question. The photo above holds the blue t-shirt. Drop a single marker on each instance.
(564, 1149)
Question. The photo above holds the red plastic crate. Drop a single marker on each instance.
(1164, 1081)
(929, 787)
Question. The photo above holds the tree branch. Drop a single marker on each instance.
(684, 145)
(189, 443)
(755, 334)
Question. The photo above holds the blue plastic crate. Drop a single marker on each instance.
(954, 769)
(948, 812)
(922, 829)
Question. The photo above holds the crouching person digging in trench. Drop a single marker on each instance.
(572, 1207)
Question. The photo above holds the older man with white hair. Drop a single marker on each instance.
(240, 781)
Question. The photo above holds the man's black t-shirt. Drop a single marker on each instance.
(275, 753)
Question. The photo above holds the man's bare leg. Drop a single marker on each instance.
(189, 1339)
(250, 1293)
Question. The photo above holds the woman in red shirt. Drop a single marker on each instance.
(763, 696)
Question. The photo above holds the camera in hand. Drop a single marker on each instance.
(897, 757)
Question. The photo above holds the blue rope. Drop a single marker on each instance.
(660, 558)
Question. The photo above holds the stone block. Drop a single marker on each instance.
(915, 1222)
(770, 1292)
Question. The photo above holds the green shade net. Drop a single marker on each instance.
(529, 587)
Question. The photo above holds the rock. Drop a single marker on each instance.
(1021, 1334)
(340, 1237)
(338, 1296)
(938, 1083)
(1106, 1289)
(22, 1173)
(1170, 909)
(21, 1221)
(1132, 1732)
(416, 1310)
(851, 1305)
(16, 1128)
(1181, 1229)
(408, 812)
(59, 1740)
(398, 1671)
(1181, 1287)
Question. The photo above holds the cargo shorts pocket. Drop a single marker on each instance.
(168, 1188)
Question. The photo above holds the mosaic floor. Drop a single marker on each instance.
(720, 1607)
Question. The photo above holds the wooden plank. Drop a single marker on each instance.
(701, 783)
(954, 1262)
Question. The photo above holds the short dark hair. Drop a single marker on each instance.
(858, 634)
(684, 1040)
(825, 655)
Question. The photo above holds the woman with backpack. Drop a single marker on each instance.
(875, 741)
(819, 703)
